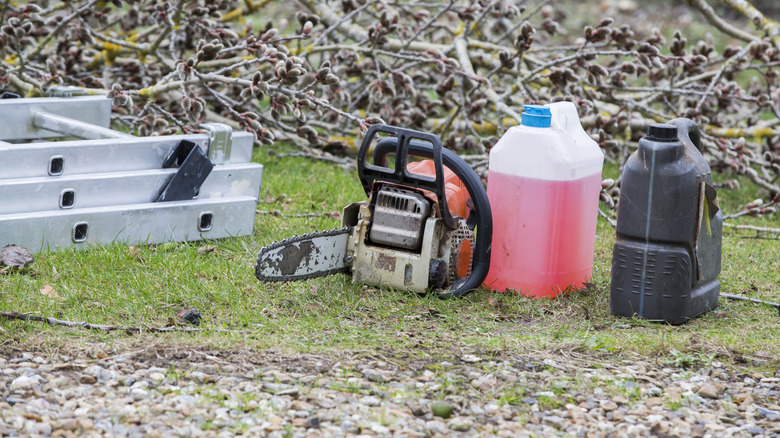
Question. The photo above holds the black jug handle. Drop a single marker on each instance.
(687, 129)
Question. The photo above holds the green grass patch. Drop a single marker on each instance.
(147, 285)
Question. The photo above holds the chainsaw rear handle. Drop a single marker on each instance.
(484, 235)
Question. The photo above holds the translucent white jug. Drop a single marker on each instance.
(543, 184)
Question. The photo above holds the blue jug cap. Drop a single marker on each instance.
(537, 116)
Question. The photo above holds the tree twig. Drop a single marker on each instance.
(753, 228)
(461, 48)
(108, 328)
(296, 215)
(61, 25)
(769, 27)
(609, 219)
(720, 23)
(734, 59)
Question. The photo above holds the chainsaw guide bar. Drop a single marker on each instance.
(306, 256)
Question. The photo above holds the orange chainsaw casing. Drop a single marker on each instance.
(456, 193)
(457, 203)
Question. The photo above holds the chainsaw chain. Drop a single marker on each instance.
(299, 238)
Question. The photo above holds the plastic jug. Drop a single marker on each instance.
(544, 179)
(666, 259)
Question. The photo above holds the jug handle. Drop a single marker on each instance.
(687, 129)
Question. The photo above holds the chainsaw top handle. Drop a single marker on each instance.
(406, 143)
(370, 173)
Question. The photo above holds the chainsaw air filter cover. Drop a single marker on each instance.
(399, 218)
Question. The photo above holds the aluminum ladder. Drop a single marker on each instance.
(106, 186)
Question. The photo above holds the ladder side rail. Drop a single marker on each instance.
(178, 221)
(29, 195)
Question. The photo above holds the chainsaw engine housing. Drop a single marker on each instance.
(432, 265)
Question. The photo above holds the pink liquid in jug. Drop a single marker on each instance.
(545, 250)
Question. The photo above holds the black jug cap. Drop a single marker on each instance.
(661, 132)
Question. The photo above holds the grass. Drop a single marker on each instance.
(147, 285)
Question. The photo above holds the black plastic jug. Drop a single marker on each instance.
(666, 260)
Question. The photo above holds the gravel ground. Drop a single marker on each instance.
(265, 394)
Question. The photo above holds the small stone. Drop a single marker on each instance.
(652, 401)
(371, 401)
(380, 430)
(39, 428)
(190, 315)
(485, 383)
(139, 393)
(459, 424)
(157, 377)
(15, 256)
(769, 414)
(69, 424)
(24, 382)
(470, 358)
(553, 421)
(442, 409)
(698, 430)
(12, 400)
(673, 393)
(576, 413)
(608, 405)
(655, 391)
(373, 376)
(280, 388)
(312, 422)
(87, 379)
(709, 391)
(350, 427)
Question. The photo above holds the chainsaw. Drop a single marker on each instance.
(426, 226)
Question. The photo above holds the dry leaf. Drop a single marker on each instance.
(50, 292)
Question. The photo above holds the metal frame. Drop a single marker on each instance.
(101, 187)
(157, 222)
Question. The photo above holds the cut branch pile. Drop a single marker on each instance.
(321, 74)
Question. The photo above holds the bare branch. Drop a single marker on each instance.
(109, 328)
(769, 27)
(720, 23)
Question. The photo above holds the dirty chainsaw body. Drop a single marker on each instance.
(405, 236)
